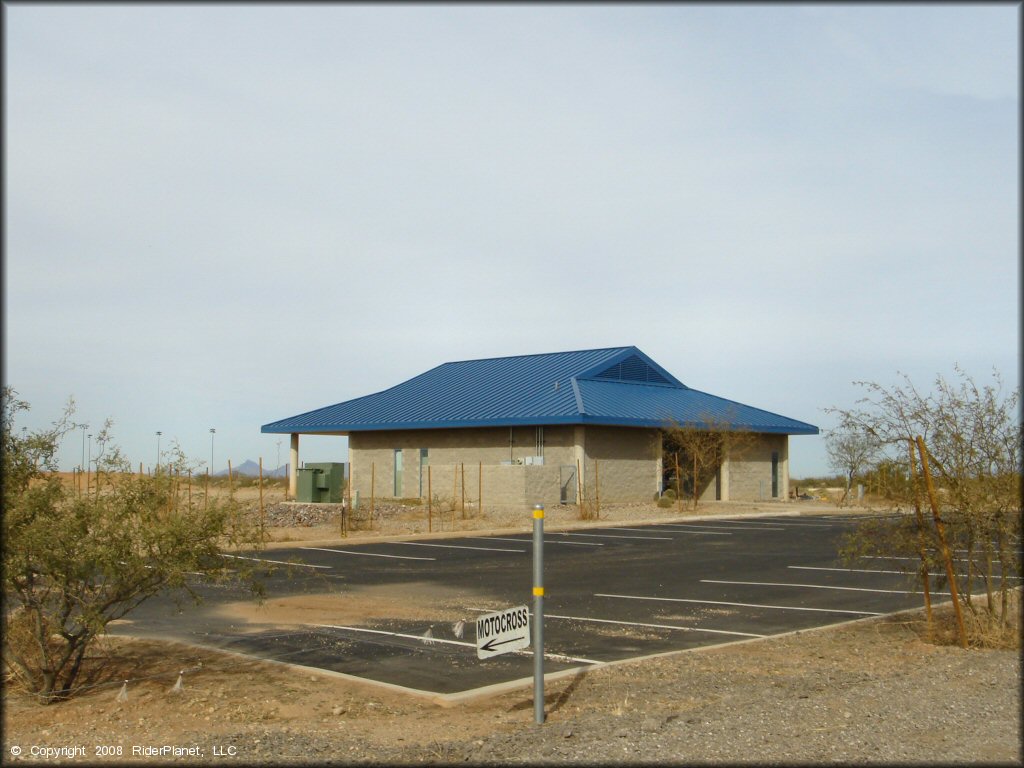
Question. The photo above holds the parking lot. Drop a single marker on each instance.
(611, 593)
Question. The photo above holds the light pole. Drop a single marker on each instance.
(212, 433)
(158, 450)
(83, 428)
(87, 466)
(278, 455)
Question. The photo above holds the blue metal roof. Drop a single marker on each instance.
(612, 386)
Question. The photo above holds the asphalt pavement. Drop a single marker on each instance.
(612, 593)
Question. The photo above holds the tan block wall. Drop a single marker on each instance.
(750, 473)
(627, 463)
(453, 453)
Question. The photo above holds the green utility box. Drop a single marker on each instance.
(320, 483)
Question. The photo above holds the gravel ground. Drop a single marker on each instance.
(797, 706)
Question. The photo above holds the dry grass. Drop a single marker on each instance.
(983, 630)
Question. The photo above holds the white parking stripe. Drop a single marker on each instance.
(722, 527)
(787, 523)
(528, 541)
(278, 562)
(603, 536)
(655, 626)
(877, 570)
(525, 651)
(368, 554)
(847, 570)
(397, 634)
(452, 546)
(918, 559)
(814, 586)
(657, 530)
(742, 605)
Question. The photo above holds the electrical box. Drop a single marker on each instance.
(320, 483)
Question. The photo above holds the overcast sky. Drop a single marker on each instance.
(220, 216)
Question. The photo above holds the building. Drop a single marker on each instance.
(515, 431)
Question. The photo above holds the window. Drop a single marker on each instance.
(398, 473)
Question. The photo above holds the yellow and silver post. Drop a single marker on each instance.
(538, 613)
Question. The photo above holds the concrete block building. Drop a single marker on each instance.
(515, 431)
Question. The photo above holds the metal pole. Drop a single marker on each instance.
(538, 613)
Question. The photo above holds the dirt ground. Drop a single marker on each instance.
(229, 708)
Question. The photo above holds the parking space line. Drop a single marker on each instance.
(604, 536)
(934, 574)
(878, 570)
(368, 554)
(847, 570)
(634, 624)
(722, 527)
(815, 586)
(527, 541)
(278, 562)
(659, 530)
(452, 546)
(428, 640)
(398, 634)
(741, 605)
(786, 524)
(656, 626)
(918, 559)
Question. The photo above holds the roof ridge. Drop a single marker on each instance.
(540, 354)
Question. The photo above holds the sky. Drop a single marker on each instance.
(221, 216)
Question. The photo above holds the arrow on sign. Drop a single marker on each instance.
(492, 645)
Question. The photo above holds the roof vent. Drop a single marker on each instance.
(633, 368)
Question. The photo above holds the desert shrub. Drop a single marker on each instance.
(72, 564)
(961, 445)
(586, 509)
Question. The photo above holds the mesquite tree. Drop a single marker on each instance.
(73, 562)
(698, 450)
(850, 453)
(973, 440)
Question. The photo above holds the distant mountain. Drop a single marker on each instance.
(251, 468)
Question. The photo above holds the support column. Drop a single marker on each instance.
(580, 455)
(659, 467)
(293, 468)
(784, 469)
(724, 475)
